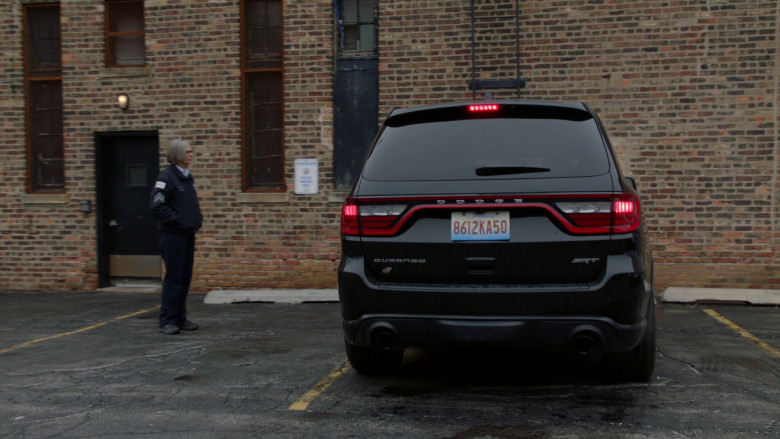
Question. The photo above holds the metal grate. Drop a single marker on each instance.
(495, 27)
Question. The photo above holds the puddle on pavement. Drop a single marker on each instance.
(506, 432)
(726, 363)
(243, 348)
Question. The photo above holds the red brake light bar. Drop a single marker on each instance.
(579, 214)
(483, 108)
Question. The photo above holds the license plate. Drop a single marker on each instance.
(479, 226)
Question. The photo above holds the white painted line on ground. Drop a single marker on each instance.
(218, 297)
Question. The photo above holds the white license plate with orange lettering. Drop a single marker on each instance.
(480, 226)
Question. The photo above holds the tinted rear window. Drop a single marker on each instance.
(454, 150)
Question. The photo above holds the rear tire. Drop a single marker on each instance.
(372, 361)
(638, 363)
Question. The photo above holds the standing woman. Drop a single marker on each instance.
(175, 205)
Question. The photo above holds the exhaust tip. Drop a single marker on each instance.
(383, 336)
(584, 343)
(384, 339)
(586, 340)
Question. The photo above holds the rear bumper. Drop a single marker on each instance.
(571, 334)
(610, 315)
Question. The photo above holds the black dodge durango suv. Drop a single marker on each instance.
(496, 224)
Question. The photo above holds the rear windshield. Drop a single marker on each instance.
(488, 149)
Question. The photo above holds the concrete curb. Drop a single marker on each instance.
(670, 295)
(743, 295)
(217, 297)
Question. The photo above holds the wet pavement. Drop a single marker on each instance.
(90, 365)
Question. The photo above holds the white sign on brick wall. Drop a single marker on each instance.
(306, 180)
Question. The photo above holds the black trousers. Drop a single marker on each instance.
(178, 252)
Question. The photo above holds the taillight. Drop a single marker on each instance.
(370, 219)
(618, 215)
(349, 218)
(481, 108)
(625, 214)
(591, 215)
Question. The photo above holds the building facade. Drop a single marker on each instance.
(687, 89)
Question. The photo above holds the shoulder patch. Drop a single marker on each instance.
(160, 185)
(159, 199)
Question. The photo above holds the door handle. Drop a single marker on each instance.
(113, 223)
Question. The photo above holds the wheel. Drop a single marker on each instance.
(368, 360)
(638, 363)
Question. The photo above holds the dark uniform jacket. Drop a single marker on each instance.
(175, 202)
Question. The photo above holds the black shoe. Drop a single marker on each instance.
(188, 326)
(169, 329)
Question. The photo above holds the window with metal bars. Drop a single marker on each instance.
(263, 102)
(43, 94)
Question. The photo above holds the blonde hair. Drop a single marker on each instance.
(177, 151)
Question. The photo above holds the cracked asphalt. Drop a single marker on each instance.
(93, 365)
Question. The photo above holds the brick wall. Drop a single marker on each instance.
(687, 90)
(191, 88)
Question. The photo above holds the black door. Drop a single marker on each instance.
(128, 164)
(356, 88)
(356, 116)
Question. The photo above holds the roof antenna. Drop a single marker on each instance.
(488, 95)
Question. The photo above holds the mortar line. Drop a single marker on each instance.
(776, 169)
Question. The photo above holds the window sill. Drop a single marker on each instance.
(30, 200)
(263, 197)
(124, 72)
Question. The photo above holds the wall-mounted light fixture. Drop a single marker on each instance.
(124, 101)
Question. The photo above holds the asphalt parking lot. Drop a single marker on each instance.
(88, 365)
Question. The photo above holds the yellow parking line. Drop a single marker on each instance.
(97, 325)
(311, 395)
(739, 330)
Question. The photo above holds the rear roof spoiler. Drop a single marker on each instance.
(504, 110)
